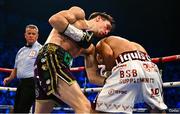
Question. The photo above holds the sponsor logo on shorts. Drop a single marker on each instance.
(134, 55)
(150, 67)
(136, 80)
(114, 91)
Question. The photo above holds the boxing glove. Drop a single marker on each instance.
(86, 40)
(82, 37)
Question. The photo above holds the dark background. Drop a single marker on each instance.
(152, 23)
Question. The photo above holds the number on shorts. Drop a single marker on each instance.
(154, 91)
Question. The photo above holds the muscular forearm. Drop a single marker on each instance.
(94, 76)
(92, 70)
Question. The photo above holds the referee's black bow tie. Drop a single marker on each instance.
(28, 45)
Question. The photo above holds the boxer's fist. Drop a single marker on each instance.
(86, 39)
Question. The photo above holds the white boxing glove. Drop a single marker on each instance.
(103, 72)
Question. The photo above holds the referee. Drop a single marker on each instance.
(24, 71)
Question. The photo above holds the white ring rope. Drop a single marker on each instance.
(6, 106)
(8, 88)
(171, 84)
(97, 89)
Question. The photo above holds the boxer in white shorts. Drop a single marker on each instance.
(134, 78)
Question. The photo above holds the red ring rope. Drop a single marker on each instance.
(166, 59)
(75, 69)
(155, 60)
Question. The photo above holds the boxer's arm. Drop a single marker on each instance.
(106, 53)
(92, 70)
(87, 50)
(63, 20)
(60, 20)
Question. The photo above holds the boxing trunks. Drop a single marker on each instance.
(134, 79)
(52, 63)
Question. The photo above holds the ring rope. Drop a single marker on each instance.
(155, 60)
(97, 89)
(75, 69)
(166, 59)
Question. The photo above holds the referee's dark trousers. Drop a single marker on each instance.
(25, 95)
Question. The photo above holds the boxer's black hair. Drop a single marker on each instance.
(105, 16)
